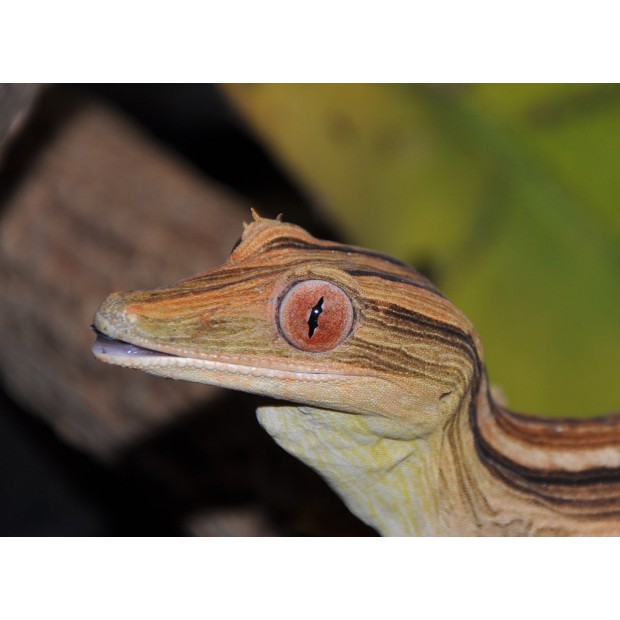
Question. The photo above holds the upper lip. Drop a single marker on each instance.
(103, 339)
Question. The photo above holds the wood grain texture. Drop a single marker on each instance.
(95, 203)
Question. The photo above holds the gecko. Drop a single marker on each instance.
(380, 386)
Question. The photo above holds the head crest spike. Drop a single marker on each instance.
(255, 215)
(280, 217)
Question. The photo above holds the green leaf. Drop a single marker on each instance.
(508, 194)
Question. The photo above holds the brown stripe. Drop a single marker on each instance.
(594, 491)
(287, 243)
(442, 332)
(427, 286)
(561, 432)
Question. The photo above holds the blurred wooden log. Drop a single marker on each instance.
(98, 207)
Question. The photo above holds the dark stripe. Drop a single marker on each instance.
(383, 358)
(379, 357)
(460, 339)
(427, 286)
(286, 243)
(563, 433)
(547, 485)
(180, 292)
(595, 475)
(420, 319)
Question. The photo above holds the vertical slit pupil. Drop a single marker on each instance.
(313, 321)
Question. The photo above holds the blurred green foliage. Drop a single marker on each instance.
(508, 194)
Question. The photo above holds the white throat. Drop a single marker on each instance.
(390, 484)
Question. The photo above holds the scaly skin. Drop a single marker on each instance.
(393, 406)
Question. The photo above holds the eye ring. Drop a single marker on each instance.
(315, 315)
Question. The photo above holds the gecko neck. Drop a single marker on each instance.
(390, 484)
(512, 474)
(457, 480)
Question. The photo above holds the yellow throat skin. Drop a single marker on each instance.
(385, 388)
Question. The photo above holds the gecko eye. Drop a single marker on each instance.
(315, 315)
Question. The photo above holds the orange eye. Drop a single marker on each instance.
(315, 315)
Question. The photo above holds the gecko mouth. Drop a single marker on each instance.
(123, 353)
(105, 345)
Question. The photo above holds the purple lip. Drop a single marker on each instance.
(105, 345)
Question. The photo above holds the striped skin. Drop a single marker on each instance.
(398, 416)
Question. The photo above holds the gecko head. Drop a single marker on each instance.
(309, 321)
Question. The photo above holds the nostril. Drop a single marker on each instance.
(111, 314)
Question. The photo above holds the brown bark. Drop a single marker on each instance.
(99, 207)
